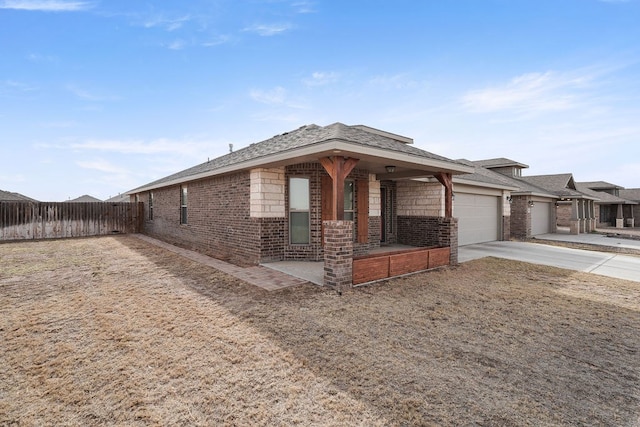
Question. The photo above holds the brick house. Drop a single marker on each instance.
(538, 204)
(632, 194)
(315, 194)
(612, 208)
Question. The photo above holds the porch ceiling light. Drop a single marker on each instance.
(390, 169)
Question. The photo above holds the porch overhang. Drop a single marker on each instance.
(374, 159)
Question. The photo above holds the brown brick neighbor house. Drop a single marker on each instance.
(316, 193)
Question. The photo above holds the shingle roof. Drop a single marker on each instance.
(522, 187)
(484, 176)
(304, 136)
(499, 162)
(9, 196)
(120, 198)
(631, 194)
(604, 198)
(557, 184)
(85, 198)
(599, 185)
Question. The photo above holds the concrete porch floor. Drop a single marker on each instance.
(313, 271)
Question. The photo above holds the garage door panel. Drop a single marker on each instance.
(540, 218)
(477, 218)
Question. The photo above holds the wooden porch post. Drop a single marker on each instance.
(446, 180)
(338, 168)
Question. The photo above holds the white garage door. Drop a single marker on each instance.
(540, 218)
(478, 219)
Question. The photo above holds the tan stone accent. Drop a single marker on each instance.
(267, 195)
(415, 198)
(374, 196)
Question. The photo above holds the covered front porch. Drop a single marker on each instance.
(381, 263)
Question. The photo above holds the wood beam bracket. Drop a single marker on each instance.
(338, 168)
(446, 179)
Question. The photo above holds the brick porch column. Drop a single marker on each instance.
(338, 254)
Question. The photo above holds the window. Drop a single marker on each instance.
(150, 205)
(348, 200)
(299, 211)
(183, 205)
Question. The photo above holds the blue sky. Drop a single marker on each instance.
(99, 97)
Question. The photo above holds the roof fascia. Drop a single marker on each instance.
(461, 180)
(324, 148)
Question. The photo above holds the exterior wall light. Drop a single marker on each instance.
(530, 203)
(390, 169)
(509, 199)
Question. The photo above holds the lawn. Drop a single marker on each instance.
(113, 331)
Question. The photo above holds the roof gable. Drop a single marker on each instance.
(561, 185)
(11, 196)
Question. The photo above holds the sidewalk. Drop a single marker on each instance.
(265, 278)
(593, 239)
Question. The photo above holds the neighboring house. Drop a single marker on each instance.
(7, 196)
(120, 198)
(85, 198)
(539, 204)
(632, 194)
(612, 209)
(279, 199)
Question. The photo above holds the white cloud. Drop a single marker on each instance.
(19, 86)
(274, 96)
(35, 57)
(158, 146)
(393, 82)
(176, 45)
(532, 92)
(216, 41)
(169, 24)
(303, 6)
(267, 30)
(101, 165)
(90, 95)
(46, 5)
(321, 78)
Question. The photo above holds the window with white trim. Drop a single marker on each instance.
(299, 212)
(183, 204)
(150, 205)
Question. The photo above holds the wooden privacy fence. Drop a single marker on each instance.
(52, 220)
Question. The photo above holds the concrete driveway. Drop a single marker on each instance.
(602, 263)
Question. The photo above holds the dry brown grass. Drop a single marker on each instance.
(112, 331)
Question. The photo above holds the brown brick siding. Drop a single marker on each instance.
(314, 251)
(424, 231)
(520, 218)
(563, 214)
(218, 219)
(219, 222)
(338, 257)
